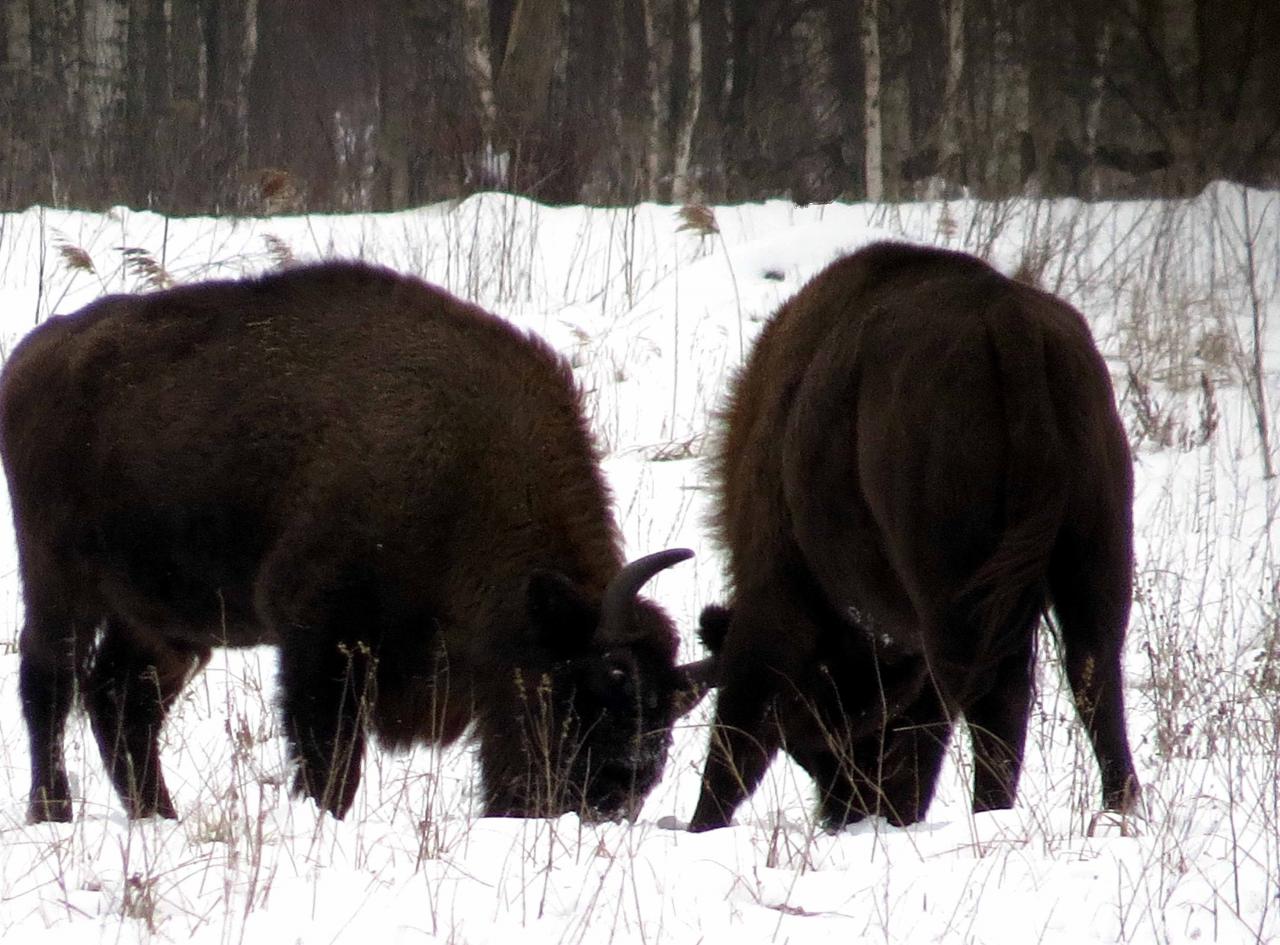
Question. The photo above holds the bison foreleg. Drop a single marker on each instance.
(913, 746)
(762, 651)
(128, 694)
(744, 740)
(845, 794)
(327, 694)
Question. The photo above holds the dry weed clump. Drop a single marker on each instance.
(1169, 421)
(280, 252)
(701, 221)
(75, 258)
(145, 267)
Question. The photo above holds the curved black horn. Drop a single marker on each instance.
(696, 679)
(626, 584)
(705, 672)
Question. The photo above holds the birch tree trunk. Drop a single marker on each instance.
(1093, 111)
(656, 75)
(522, 89)
(231, 45)
(1009, 101)
(873, 163)
(50, 100)
(950, 161)
(1186, 131)
(100, 68)
(193, 176)
(528, 64)
(16, 32)
(487, 167)
(681, 186)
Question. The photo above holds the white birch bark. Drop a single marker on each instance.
(102, 61)
(475, 39)
(681, 186)
(1093, 113)
(874, 149)
(655, 76)
(949, 127)
(1010, 95)
(249, 49)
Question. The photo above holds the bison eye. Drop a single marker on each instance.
(616, 675)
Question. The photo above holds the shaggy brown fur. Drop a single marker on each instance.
(396, 489)
(920, 457)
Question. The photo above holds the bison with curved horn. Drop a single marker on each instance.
(920, 459)
(396, 489)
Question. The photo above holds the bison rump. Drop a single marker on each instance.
(919, 458)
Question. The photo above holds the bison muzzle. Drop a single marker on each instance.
(396, 489)
(920, 458)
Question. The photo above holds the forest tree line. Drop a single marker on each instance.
(190, 106)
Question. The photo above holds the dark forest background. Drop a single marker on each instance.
(190, 106)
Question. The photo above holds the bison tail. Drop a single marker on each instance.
(1009, 592)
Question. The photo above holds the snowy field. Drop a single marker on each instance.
(655, 318)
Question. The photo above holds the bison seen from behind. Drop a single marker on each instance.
(920, 457)
(396, 489)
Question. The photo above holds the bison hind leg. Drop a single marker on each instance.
(46, 687)
(1091, 589)
(128, 693)
(997, 722)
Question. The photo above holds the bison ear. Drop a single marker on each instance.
(560, 615)
(713, 626)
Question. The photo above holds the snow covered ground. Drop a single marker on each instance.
(654, 319)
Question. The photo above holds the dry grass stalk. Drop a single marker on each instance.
(947, 225)
(281, 253)
(75, 257)
(688, 448)
(699, 219)
(146, 267)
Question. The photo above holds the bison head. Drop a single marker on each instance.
(593, 710)
(836, 717)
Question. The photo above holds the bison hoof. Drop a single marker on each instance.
(983, 804)
(163, 809)
(1130, 800)
(903, 820)
(1111, 823)
(151, 804)
(49, 806)
(49, 811)
(1125, 812)
(326, 800)
(702, 825)
(836, 822)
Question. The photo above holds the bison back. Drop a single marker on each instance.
(165, 444)
(916, 425)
